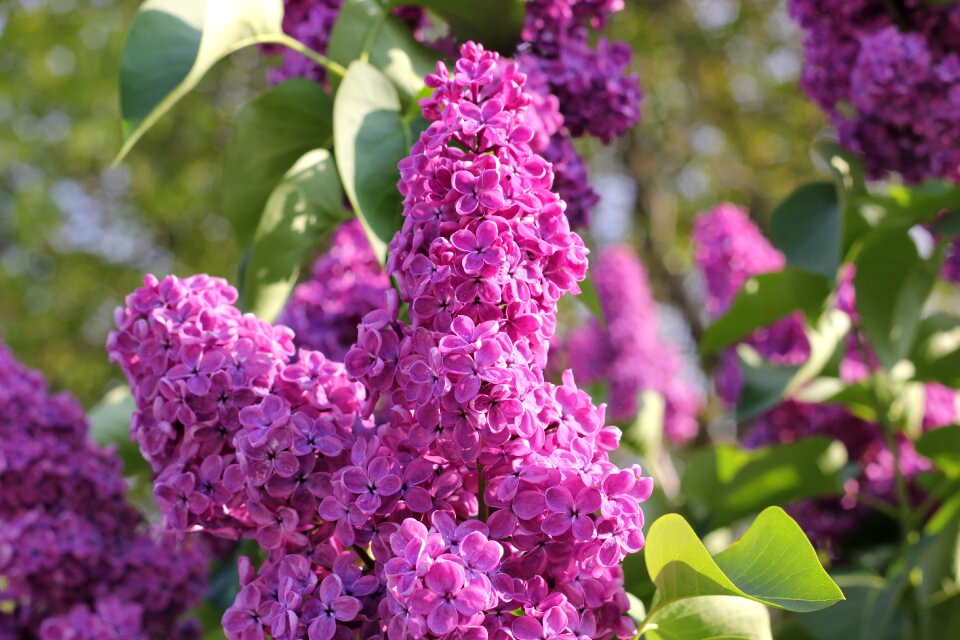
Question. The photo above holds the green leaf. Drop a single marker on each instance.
(367, 31)
(726, 483)
(942, 446)
(848, 619)
(495, 23)
(371, 137)
(306, 205)
(892, 283)
(773, 563)
(271, 132)
(935, 353)
(591, 300)
(765, 384)
(110, 426)
(711, 618)
(850, 179)
(171, 46)
(763, 300)
(808, 228)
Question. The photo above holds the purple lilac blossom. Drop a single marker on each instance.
(629, 354)
(75, 558)
(888, 75)
(451, 485)
(347, 282)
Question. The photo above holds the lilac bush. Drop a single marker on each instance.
(888, 75)
(76, 559)
(629, 354)
(434, 485)
(729, 249)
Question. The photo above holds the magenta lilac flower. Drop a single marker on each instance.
(74, 556)
(347, 282)
(450, 490)
(629, 354)
(888, 75)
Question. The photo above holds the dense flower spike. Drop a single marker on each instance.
(75, 560)
(597, 95)
(347, 282)
(230, 422)
(456, 487)
(888, 75)
(729, 250)
(483, 256)
(629, 354)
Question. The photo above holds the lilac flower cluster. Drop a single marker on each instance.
(597, 95)
(483, 256)
(729, 243)
(230, 422)
(74, 559)
(629, 353)
(451, 493)
(888, 75)
(347, 283)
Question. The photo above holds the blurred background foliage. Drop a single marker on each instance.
(723, 120)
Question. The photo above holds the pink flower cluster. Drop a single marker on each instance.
(483, 256)
(451, 493)
(347, 282)
(728, 242)
(75, 561)
(230, 422)
(629, 354)
(888, 75)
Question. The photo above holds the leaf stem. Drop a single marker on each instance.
(295, 45)
(647, 621)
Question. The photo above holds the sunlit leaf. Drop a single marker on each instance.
(773, 563)
(171, 46)
(271, 132)
(371, 136)
(367, 30)
(306, 205)
(711, 617)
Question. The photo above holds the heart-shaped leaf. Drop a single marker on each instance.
(368, 31)
(763, 300)
(773, 564)
(892, 282)
(808, 228)
(726, 482)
